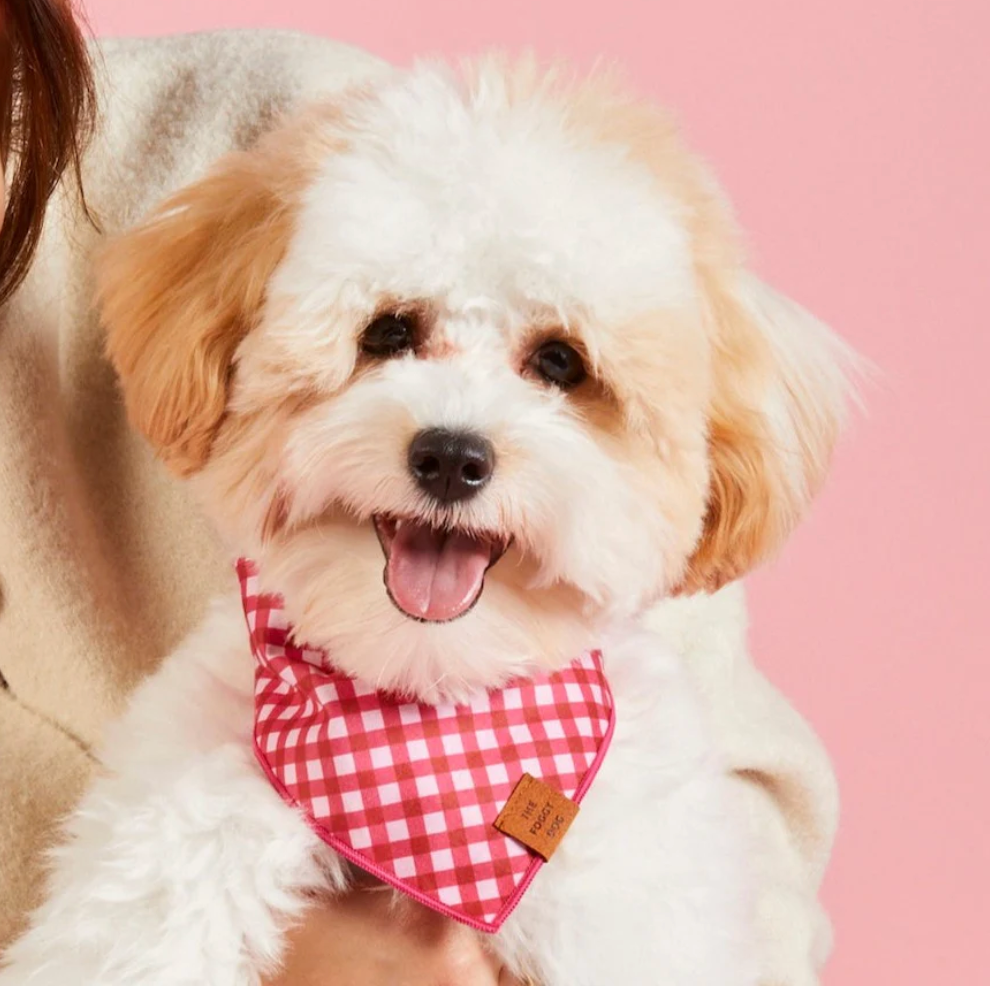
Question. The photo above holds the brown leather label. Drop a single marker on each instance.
(536, 815)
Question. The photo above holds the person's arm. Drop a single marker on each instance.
(783, 773)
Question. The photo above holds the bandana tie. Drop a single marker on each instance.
(410, 792)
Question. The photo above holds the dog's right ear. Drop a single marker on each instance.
(179, 293)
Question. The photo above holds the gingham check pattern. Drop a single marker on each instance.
(409, 792)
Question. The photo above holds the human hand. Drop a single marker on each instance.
(364, 937)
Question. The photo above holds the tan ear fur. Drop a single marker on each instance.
(778, 402)
(179, 293)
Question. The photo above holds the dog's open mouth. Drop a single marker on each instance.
(433, 574)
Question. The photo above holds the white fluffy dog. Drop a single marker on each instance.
(475, 348)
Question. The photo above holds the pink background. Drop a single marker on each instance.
(854, 140)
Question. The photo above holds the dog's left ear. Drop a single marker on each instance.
(780, 389)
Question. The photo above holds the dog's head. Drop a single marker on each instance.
(476, 349)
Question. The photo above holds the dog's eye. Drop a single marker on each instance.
(389, 335)
(559, 364)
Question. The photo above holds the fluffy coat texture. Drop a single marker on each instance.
(286, 403)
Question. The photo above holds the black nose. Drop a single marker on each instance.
(449, 465)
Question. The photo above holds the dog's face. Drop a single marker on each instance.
(476, 352)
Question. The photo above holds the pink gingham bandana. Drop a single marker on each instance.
(407, 791)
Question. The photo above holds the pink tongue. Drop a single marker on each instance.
(433, 575)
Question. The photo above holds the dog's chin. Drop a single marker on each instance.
(433, 574)
(334, 578)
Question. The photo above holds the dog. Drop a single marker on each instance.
(469, 364)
